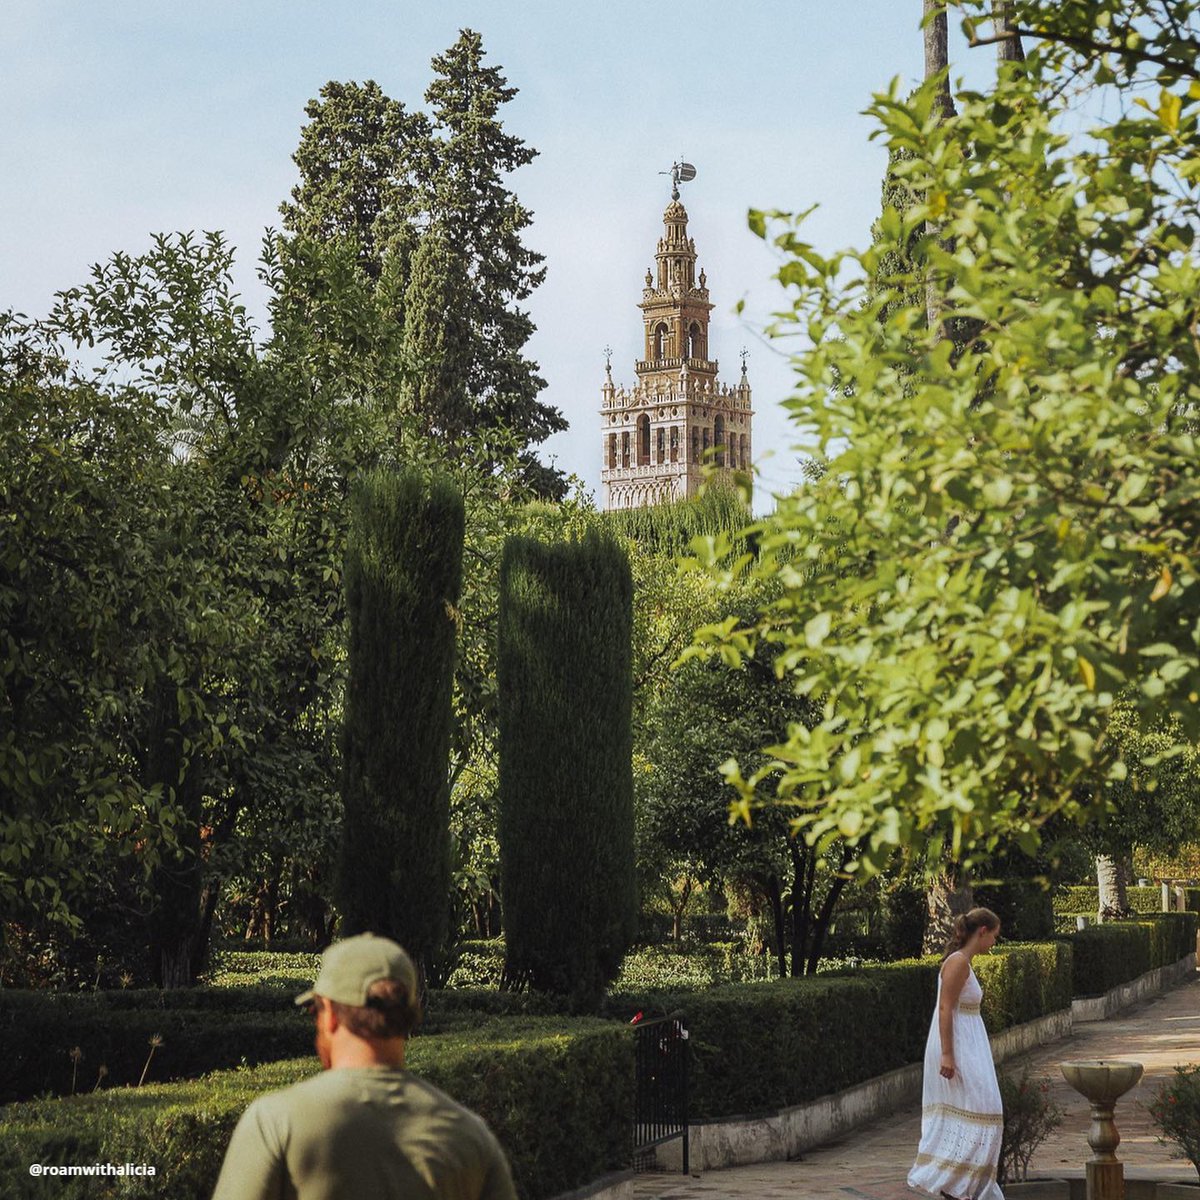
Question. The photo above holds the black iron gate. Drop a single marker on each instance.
(661, 1102)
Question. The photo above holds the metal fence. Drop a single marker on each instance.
(661, 1102)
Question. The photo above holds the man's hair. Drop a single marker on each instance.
(389, 1011)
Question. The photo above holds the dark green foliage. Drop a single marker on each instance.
(1022, 983)
(904, 913)
(437, 335)
(403, 577)
(669, 528)
(565, 741)
(1108, 955)
(1024, 907)
(759, 1047)
(356, 159)
(557, 1095)
(1085, 900)
(1116, 952)
(466, 195)
(40, 1030)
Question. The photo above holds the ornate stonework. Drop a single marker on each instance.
(659, 435)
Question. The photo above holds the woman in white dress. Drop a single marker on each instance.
(962, 1119)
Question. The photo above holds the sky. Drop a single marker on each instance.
(123, 118)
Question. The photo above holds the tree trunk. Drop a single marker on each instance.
(937, 62)
(1110, 881)
(1008, 49)
(937, 52)
(948, 897)
(774, 895)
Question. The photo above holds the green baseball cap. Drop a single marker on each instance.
(349, 967)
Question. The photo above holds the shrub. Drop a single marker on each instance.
(1116, 952)
(565, 744)
(1176, 1111)
(403, 578)
(1085, 900)
(557, 1095)
(1023, 982)
(39, 1031)
(1030, 1117)
(1024, 907)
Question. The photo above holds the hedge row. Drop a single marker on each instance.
(769, 1045)
(1070, 901)
(1105, 956)
(40, 1033)
(558, 1097)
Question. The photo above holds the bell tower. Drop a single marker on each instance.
(677, 419)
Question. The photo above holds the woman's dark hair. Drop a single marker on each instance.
(389, 1011)
(967, 924)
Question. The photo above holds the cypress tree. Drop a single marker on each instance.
(566, 783)
(403, 578)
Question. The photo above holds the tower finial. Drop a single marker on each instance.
(680, 172)
(745, 354)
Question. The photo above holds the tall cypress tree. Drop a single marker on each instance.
(437, 336)
(466, 195)
(566, 783)
(403, 578)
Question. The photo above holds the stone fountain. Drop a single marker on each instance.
(1102, 1082)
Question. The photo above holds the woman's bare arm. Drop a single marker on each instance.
(954, 975)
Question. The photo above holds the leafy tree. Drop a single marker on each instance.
(705, 716)
(471, 207)
(425, 200)
(358, 157)
(1025, 504)
(403, 578)
(566, 804)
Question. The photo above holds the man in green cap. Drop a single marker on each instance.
(364, 1128)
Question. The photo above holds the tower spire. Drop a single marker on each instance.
(662, 436)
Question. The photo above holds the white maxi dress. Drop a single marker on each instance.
(962, 1119)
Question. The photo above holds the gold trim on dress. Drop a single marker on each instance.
(963, 1114)
(970, 1008)
(974, 1172)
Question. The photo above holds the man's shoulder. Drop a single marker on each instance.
(432, 1097)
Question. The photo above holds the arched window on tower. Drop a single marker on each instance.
(745, 457)
(643, 451)
(661, 455)
(706, 439)
(695, 443)
(696, 346)
(625, 448)
(719, 439)
(674, 443)
(612, 449)
(660, 339)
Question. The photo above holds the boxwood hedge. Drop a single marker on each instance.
(558, 1096)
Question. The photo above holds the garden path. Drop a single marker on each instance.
(871, 1162)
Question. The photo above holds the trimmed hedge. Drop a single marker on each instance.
(39, 1031)
(763, 1046)
(1117, 952)
(558, 1097)
(1082, 901)
(1023, 982)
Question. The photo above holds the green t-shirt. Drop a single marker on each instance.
(362, 1133)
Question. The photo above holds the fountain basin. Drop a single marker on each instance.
(1101, 1080)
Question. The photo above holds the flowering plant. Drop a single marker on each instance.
(1030, 1117)
(1176, 1110)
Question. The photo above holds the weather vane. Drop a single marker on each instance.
(745, 354)
(680, 172)
(607, 357)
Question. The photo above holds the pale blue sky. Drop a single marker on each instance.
(123, 117)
